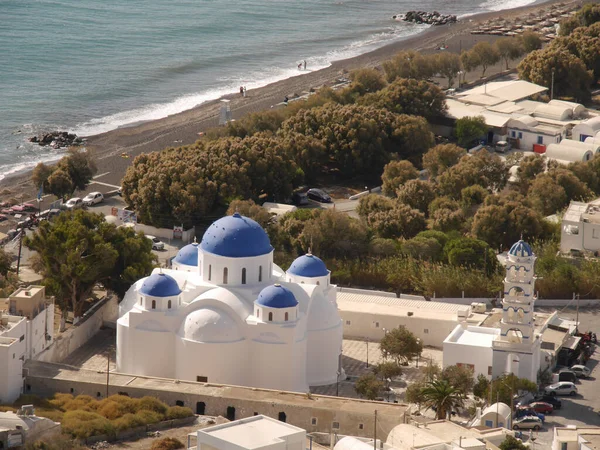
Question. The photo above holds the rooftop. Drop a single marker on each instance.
(512, 90)
(253, 432)
(27, 292)
(571, 433)
(475, 336)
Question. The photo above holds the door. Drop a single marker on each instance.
(200, 408)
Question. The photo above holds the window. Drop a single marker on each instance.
(540, 140)
(169, 304)
(348, 322)
(490, 370)
(259, 274)
(426, 331)
(513, 134)
(520, 135)
(376, 324)
(225, 274)
(179, 403)
(270, 317)
(244, 275)
(313, 420)
(153, 304)
(22, 338)
(270, 269)
(209, 271)
(258, 313)
(286, 317)
(201, 379)
(595, 233)
(98, 394)
(335, 425)
(361, 426)
(140, 300)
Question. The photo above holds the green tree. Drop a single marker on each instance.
(60, 184)
(546, 195)
(469, 252)
(414, 393)
(449, 65)
(409, 96)
(441, 396)
(428, 249)
(395, 174)
(530, 41)
(473, 195)
(368, 386)
(512, 443)
(509, 49)
(571, 76)
(483, 168)
(334, 234)
(5, 262)
(40, 175)
(417, 194)
(506, 386)
(387, 370)
(408, 64)
(470, 61)
(459, 377)
(481, 386)
(488, 55)
(373, 203)
(80, 166)
(587, 173)
(366, 80)
(441, 157)
(250, 209)
(529, 168)
(584, 43)
(469, 129)
(401, 221)
(79, 249)
(400, 345)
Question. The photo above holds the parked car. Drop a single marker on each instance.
(8, 211)
(502, 146)
(561, 388)
(3, 217)
(49, 214)
(525, 411)
(157, 244)
(93, 198)
(74, 203)
(541, 407)
(527, 423)
(581, 371)
(318, 195)
(550, 399)
(18, 209)
(300, 198)
(567, 375)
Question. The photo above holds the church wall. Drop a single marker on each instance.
(479, 357)
(151, 353)
(216, 264)
(323, 356)
(278, 365)
(220, 362)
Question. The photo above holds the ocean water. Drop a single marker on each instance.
(92, 66)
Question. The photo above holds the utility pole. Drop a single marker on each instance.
(375, 432)
(577, 316)
(107, 371)
(552, 86)
(367, 352)
(20, 247)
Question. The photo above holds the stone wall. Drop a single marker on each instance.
(103, 313)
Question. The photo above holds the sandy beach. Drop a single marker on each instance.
(183, 128)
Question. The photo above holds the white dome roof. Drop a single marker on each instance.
(210, 325)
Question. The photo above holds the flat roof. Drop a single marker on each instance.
(574, 211)
(26, 292)
(512, 90)
(477, 338)
(253, 432)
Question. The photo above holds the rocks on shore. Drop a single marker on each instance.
(431, 18)
(56, 139)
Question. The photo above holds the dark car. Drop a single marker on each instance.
(551, 399)
(318, 195)
(300, 198)
(567, 375)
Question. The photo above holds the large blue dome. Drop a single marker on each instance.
(521, 249)
(160, 285)
(276, 296)
(236, 236)
(308, 266)
(188, 255)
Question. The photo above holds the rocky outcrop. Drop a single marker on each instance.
(431, 18)
(56, 139)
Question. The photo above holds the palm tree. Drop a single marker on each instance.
(442, 397)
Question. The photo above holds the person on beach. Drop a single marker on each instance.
(304, 64)
(300, 66)
(244, 94)
(285, 99)
(242, 91)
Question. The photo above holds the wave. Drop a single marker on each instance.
(499, 5)
(23, 166)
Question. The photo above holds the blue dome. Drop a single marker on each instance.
(160, 285)
(236, 236)
(308, 266)
(276, 296)
(520, 249)
(188, 255)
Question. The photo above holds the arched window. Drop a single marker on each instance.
(225, 273)
(259, 274)
(153, 304)
(270, 269)
(286, 317)
(169, 304)
(258, 313)
(318, 283)
(140, 300)
(270, 317)
(209, 271)
(244, 275)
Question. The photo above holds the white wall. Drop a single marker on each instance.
(165, 233)
(11, 361)
(455, 353)
(530, 138)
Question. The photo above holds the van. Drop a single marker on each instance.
(502, 146)
(567, 375)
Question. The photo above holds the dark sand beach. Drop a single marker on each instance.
(183, 128)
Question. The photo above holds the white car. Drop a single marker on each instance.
(581, 371)
(561, 388)
(527, 422)
(157, 244)
(74, 203)
(93, 198)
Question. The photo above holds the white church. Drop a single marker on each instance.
(225, 313)
(514, 346)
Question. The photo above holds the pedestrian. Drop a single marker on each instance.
(244, 91)
(300, 66)
(304, 64)
(285, 99)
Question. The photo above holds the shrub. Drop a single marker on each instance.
(128, 421)
(149, 417)
(55, 415)
(127, 404)
(80, 403)
(59, 400)
(179, 412)
(167, 444)
(152, 404)
(83, 424)
(34, 400)
(109, 409)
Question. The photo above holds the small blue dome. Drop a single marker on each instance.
(188, 255)
(308, 266)
(160, 285)
(520, 249)
(236, 236)
(276, 296)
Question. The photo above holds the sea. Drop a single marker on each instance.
(90, 66)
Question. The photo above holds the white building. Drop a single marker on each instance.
(227, 314)
(580, 230)
(26, 329)
(515, 347)
(573, 437)
(497, 415)
(587, 129)
(254, 433)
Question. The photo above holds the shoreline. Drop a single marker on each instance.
(182, 128)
